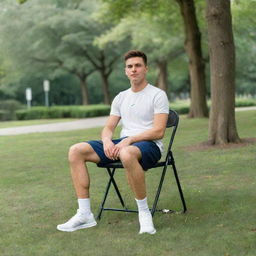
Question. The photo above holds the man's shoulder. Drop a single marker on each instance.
(124, 92)
(120, 96)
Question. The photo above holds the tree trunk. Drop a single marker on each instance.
(84, 92)
(222, 125)
(198, 107)
(105, 85)
(162, 78)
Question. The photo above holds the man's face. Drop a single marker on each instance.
(135, 69)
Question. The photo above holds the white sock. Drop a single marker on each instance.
(84, 205)
(142, 205)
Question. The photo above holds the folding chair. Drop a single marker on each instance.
(172, 123)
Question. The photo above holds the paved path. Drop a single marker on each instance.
(56, 127)
(68, 126)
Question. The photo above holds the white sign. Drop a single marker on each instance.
(46, 85)
(28, 94)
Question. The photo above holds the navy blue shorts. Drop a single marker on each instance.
(150, 152)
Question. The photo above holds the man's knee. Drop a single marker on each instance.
(78, 152)
(129, 154)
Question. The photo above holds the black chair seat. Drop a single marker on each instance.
(119, 165)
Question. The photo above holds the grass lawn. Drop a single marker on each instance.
(219, 186)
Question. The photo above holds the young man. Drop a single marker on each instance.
(143, 110)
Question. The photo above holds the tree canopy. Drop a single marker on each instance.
(85, 40)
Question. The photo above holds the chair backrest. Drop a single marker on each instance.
(173, 121)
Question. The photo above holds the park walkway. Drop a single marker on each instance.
(68, 126)
(56, 127)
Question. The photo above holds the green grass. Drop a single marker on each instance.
(219, 186)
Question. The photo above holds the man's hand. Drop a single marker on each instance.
(123, 143)
(108, 147)
(112, 151)
(106, 136)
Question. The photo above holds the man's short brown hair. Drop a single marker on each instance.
(136, 53)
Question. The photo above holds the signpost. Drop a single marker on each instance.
(46, 91)
(28, 97)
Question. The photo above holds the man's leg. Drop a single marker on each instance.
(79, 154)
(130, 157)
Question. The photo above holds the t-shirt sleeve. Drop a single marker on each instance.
(161, 103)
(115, 106)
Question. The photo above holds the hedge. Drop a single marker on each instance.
(183, 107)
(62, 112)
(97, 110)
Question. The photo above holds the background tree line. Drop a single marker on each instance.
(78, 45)
(79, 41)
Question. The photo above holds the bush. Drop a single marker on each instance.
(3, 115)
(181, 110)
(240, 102)
(8, 108)
(182, 106)
(63, 112)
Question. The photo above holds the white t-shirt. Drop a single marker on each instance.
(137, 110)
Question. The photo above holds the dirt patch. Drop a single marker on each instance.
(204, 146)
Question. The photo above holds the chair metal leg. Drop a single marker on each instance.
(111, 175)
(104, 198)
(161, 184)
(158, 191)
(111, 181)
(179, 186)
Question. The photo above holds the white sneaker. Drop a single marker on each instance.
(146, 223)
(78, 221)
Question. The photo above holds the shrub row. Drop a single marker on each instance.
(62, 112)
(90, 110)
(183, 108)
(240, 102)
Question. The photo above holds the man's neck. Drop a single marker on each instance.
(138, 87)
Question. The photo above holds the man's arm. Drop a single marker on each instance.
(154, 133)
(107, 133)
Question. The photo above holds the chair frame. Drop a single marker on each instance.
(173, 121)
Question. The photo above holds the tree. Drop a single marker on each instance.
(198, 106)
(222, 125)
(60, 37)
(155, 39)
(164, 12)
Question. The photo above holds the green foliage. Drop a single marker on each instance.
(3, 115)
(244, 20)
(182, 106)
(242, 102)
(63, 112)
(125, 8)
(159, 31)
(50, 38)
(54, 39)
(8, 108)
